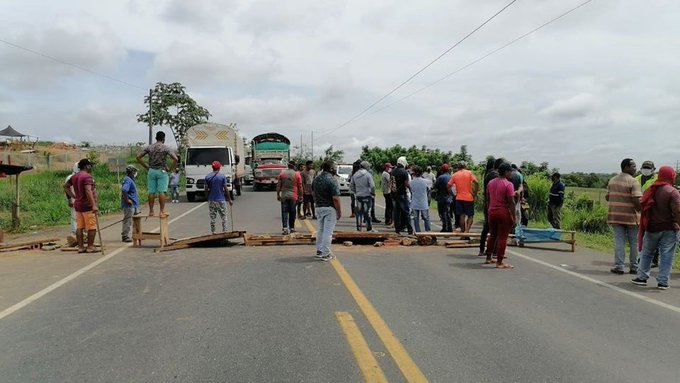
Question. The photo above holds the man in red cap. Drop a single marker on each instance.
(218, 196)
(387, 192)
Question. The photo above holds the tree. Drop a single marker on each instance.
(170, 105)
(333, 155)
(463, 155)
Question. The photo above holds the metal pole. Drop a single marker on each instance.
(99, 232)
(150, 118)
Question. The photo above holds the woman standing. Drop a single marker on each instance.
(501, 215)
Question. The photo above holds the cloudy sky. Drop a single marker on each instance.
(582, 93)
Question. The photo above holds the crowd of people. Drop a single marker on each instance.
(644, 207)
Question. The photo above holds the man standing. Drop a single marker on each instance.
(444, 198)
(646, 178)
(363, 187)
(157, 179)
(288, 191)
(327, 199)
(174, 186)
(72, 238)
(623, 195)
(218, 196)
(129, 201)
(659, 225)
(307, 179)
(555, 201)
(501, 215)
(517, 180)
(400, 199)
(466, 189)
(419, 201)
(387, 193)
(85, 204)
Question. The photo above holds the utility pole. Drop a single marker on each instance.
(312, 145)
(150, 119)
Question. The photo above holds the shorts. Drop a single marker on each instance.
(465, 208)
(157, 181)
(86, 220)
(309, 198)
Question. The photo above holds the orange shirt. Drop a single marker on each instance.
(463, 180)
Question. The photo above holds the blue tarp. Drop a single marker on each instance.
(526, 235)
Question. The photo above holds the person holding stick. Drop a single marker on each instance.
(85, 204)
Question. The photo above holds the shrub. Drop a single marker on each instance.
(588, 220)
(539, 190)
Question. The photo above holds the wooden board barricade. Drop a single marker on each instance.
(216, 239)
(28, 245)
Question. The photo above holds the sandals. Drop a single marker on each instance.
(489, 262)
(91, 251)
(505, 266)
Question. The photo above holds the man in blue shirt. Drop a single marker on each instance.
(218, 196)
(444, 198)
(129, 201)
(555, 201)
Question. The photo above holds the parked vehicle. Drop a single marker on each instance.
(344, 173)
(270, 155)
(248, 177)
(213, 142)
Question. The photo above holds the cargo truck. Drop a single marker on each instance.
(213, 142)
(270, 156)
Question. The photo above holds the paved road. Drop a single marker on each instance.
(273, 314)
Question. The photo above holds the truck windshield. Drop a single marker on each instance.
(206, 156)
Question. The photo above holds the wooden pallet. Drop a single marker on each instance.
(216, 239)
(279, 240)
(358, 237)
(28, 245)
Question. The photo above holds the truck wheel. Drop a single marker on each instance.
(231, 194)
(191, 197)
(256, 186)
(238, 189)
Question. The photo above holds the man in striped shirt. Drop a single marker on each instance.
(623, 195)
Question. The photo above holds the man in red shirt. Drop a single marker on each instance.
(466, 186)
(501, 195)
(85, 204)
(289, 192)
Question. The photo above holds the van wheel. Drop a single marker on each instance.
(191, 197)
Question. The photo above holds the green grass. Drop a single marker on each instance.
(596, 195)
(43, 202)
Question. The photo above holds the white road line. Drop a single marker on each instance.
(589, 279)
(18, 306)
(598, 282)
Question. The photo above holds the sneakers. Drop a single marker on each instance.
(285, 231)
(127, 240)
(616, 271)
(662, 286)
(323, 257)
(375, 220)
(632, 271)
(639, 282)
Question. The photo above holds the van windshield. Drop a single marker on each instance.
(206, 156)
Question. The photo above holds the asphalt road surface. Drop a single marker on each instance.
(274, 314)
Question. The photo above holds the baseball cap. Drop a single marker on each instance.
(648, 165)
(216, 165)
(445, 167)
(387, 165)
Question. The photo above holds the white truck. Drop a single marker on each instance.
(210, 142)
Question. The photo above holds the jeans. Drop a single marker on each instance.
(363, 212)
(401, 214)
(444, 210)
(325, 224)
(666, 242)
(388, 208)
(73, 221)
(425, 214)
(174, 192)
(288, 213)
(500, 224)
(555, 216)
(623, 233)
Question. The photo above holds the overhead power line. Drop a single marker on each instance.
(90, 71)
(420, 71)
(477, 60)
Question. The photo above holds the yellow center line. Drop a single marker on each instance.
(401, 357)
(309, 225)
(368, 365)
